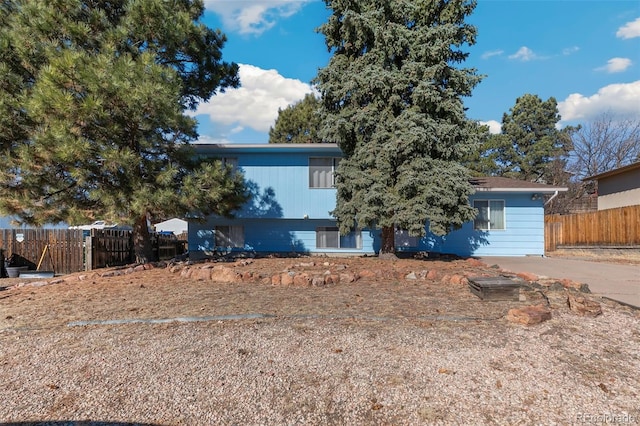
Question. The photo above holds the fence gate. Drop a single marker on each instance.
(109, 247)
(552, 236)
(61, 250)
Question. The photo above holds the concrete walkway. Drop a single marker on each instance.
(617, 282)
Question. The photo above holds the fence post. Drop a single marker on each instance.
(88, 253)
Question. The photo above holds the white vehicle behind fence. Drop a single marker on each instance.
(99, 224)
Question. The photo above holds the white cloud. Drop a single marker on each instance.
(570, 50)
(491, 53)
(616, 65)
(255, 104)
(205, 139)
(629, 30)
(524, 54)
(494, 126)
(618, 99)
(253, 16)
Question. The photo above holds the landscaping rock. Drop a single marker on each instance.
(583, 306)
(347, 277)
(302, 280)
(287, 278)
(202, 274)
(529, 315)
(223, 274)
(528, 276)
(318, 281)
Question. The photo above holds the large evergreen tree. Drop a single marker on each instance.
(92, 102)
(530, 147)
(298, 123)
(392, 94)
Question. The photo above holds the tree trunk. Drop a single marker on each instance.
(388, 243)
(142, 241)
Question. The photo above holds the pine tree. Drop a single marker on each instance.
(298, 123)
(92, 112)
(530, 147)
(392, 93)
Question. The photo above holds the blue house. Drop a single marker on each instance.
(292, 194)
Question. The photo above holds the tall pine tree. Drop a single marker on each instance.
(392, 94)
(92, 102)
(530, 147)
(298, 123)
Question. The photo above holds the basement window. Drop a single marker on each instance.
(229, 236)
(329, 237)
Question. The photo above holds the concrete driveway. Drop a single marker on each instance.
(617, 282)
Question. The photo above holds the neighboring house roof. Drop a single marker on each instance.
(614, 172)
(502, 184)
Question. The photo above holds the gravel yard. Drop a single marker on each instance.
(165, 348)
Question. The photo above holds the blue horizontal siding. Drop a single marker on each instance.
(279, 184)
(278, 181)
(272, 236)
(523, 234)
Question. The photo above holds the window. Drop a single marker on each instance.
(329, 237)
(229, 236)
(403, 239)
(321, 171)
(490, 215)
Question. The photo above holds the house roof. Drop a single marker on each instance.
(614, 172)
(331, 148)
(502, 184)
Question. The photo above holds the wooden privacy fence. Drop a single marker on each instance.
(63, 254)
(114, 247)
(72, 250)
(618, 227)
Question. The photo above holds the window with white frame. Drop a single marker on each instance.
(329, 237)
(321, 171)
(403, 239)
(229, 236)
(490, 215)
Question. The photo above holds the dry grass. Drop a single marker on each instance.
(159, 294)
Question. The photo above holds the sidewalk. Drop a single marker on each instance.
(614, 281)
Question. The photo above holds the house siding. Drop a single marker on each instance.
(523, 234)
(272, 236)
(620, 190)
(619, 187)
(284, 213)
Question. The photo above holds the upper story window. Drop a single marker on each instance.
(321, 171)
(490, 215)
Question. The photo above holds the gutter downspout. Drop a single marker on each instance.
(552, 197)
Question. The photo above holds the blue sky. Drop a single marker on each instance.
(584, 53)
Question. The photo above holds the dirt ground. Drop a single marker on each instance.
(412, 289)
(308, 340)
